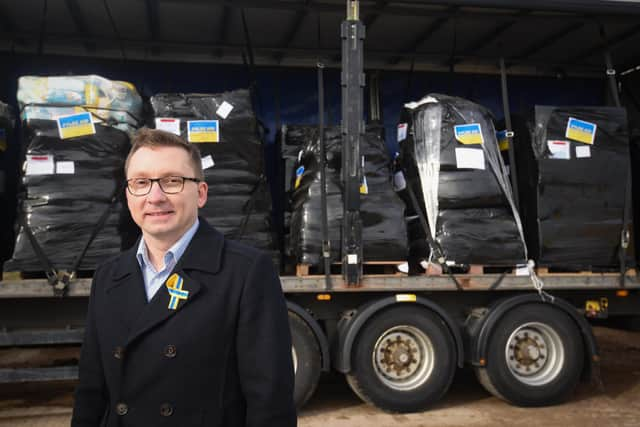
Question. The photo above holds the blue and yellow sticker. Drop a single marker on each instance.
(75, 125)
(469, 134)
(581, 131)
(299, 173)
(3, 140)
(364, 187)
(503, 140)
(203, 131)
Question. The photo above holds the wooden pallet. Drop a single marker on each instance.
(548, 271)
(370, 268)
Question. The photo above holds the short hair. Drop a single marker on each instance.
(146, 137)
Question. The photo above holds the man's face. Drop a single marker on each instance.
(164, 217)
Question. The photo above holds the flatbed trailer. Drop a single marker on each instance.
(333, 326)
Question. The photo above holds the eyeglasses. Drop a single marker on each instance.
(168, 184)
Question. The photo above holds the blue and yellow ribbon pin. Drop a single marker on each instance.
(174, 286)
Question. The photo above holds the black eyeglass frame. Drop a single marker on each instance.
(158, 180)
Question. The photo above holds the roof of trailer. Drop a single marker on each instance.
(535, 37)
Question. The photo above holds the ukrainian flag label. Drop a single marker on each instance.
(469, 134)
(199, 131)
(3, 140)
(299, 173)
(503, 140)
(581, 131)
(75, 125)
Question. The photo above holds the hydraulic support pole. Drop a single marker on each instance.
(352, 81)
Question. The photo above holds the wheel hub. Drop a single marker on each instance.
(535, 353)
(398, 355)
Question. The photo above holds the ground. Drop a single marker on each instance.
(466, 404)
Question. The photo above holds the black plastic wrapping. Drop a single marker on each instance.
(573, 208)
(470, 212)
(7, 180)
(239, 201)
(381, 210)
(63, 209)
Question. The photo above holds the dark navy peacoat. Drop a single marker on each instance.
(222, 358)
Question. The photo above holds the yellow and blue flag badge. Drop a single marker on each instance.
(174, 286)
(469, 134)
(503, 140)
(299, 173)
(581, 131)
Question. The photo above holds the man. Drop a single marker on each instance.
(185, 328)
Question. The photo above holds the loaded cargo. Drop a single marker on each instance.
(515, 241)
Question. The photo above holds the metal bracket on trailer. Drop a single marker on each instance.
(348, 331)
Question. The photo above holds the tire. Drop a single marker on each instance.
(306, 359)
(382, 375)
(535, 357)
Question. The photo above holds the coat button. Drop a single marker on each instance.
(122, 409)
(170, 351)
(118, 352)
(166, 410)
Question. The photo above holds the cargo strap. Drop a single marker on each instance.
(435, 247)
(60, 280)
(88, 108)
(538, 284)
(249, 206)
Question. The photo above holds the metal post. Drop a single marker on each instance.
(326, 243)
(507, 120)
(625, 234)
(352, 81)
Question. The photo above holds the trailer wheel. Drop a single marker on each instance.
(535, 357)
(404, 360)
(305, 353)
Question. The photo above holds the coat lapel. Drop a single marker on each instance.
(126, 296)
(158, 310)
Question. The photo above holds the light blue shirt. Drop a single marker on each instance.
(154, 280)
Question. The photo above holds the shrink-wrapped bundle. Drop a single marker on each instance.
(381, 210)
(71, 192)
(573, 167)
(230, 140)
(452, 163)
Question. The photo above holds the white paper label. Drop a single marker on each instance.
(40, 165)
(207, 162)
(560, 150)
(224, 109)
(168, 124)
(402, 132)
(583, 151)
(399, 183)
(469, 158)
(522, 270)
(352, 258)
(65, 168)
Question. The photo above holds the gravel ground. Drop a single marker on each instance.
(466, 404)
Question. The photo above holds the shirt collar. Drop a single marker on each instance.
(174, 251)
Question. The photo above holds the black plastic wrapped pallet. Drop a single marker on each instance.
(239, 198)
(462, 188)
(572, 185)
(66, 187)
(382, 212)
(8, 166)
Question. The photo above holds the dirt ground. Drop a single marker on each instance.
(466, 404)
